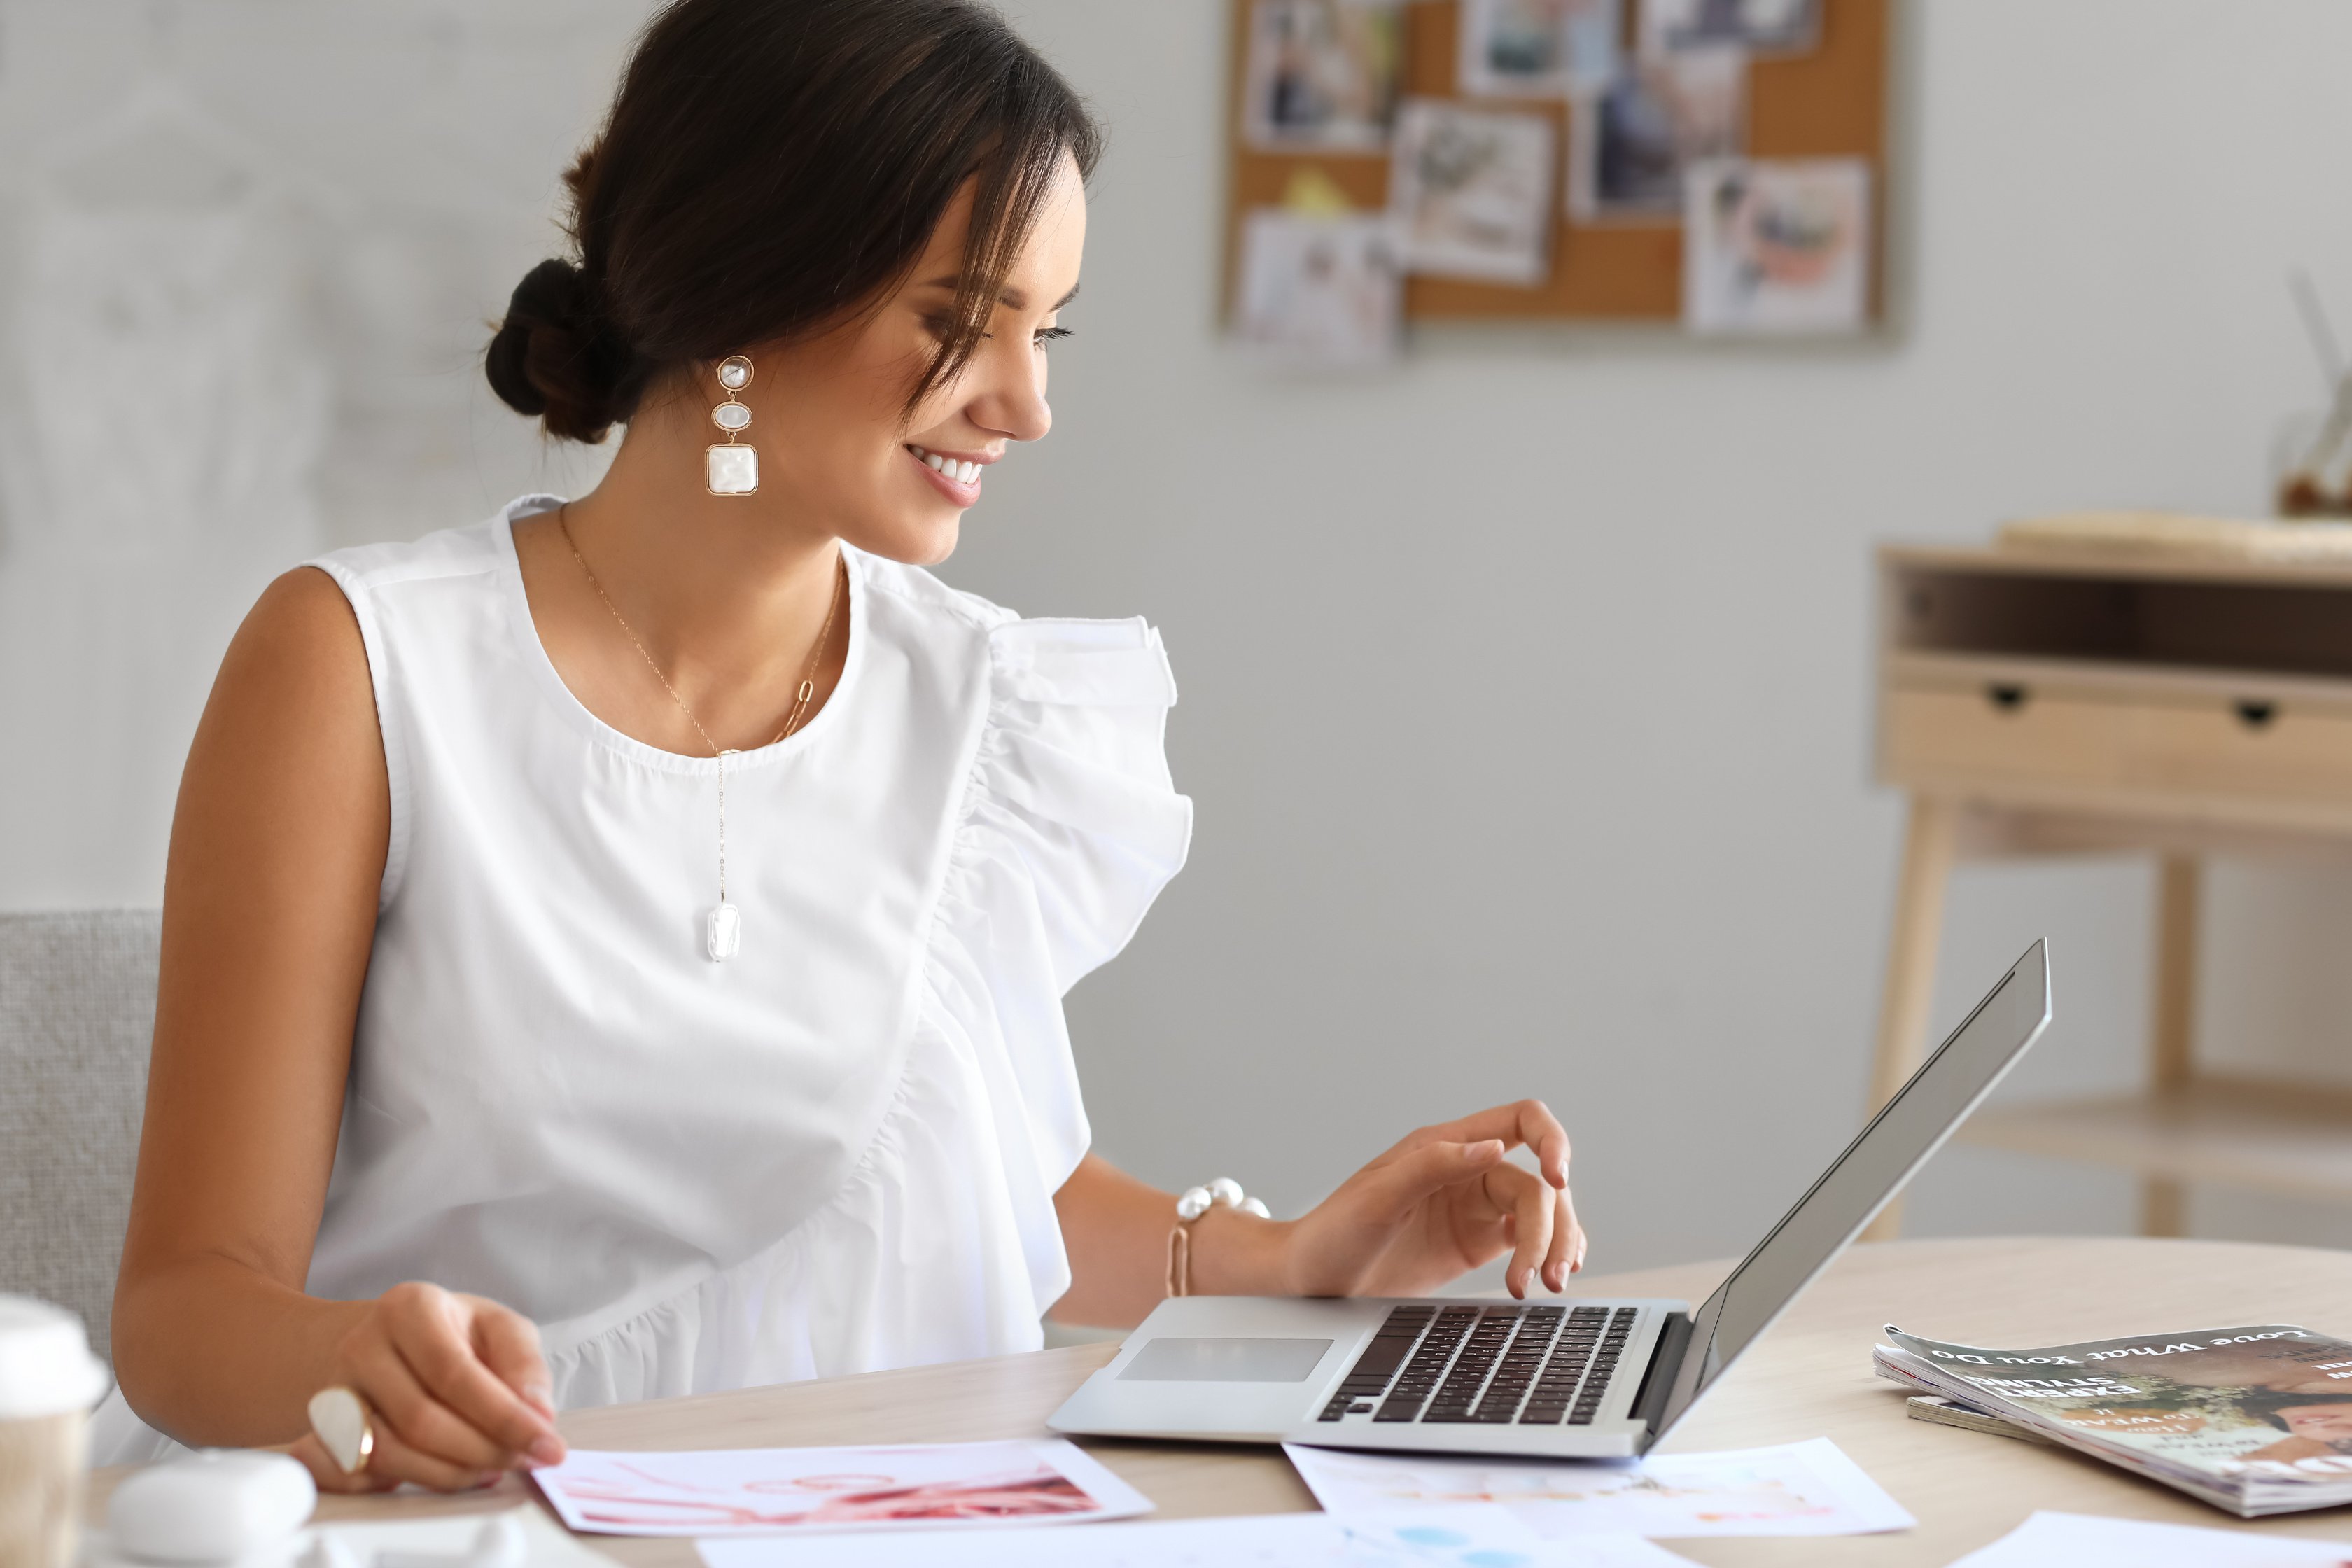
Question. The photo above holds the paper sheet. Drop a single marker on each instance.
(1471, 1536)
(1798, 1488)
(761, 1491)
(547, 1546)
(2075, 1539)
(448, 1538)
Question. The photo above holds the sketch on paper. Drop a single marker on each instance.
(1471, 191)
(249, 269)
(1322, 74)
(1777, 248)
(165, 271)
(2070, 1540)
(1461, 1537)
(1798, 1488)
(739, 1491)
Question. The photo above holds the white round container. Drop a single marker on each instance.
(215, 1506)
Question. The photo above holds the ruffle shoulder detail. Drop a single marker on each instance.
(1070, 797)
(1070, 827)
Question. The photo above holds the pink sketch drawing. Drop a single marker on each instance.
(764, 1490)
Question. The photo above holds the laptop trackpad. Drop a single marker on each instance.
(1225, 1360)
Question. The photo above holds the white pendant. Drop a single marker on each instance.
(731, 468)
(723, 936)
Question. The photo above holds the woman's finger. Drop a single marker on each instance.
(1560, 1258)
(433, 1334)
(329, 1475)
(403, 1406)
(1530, 1204)
(508, 1343)
(1395, 1187)
(1524, 1121)
(397, 1460)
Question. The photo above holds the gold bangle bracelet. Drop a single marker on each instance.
(1224, 1193)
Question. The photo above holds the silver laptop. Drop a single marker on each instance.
(1569, 1377)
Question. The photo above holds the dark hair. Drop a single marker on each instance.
(769, 168)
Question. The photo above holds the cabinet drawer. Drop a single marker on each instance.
(1955, 734)
(2186, 747)
(2292, 755)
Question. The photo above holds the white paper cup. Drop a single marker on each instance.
(49, 1381)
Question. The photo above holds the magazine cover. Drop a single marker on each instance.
(2256, 1419)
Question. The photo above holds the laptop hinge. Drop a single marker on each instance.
(1658, 1382)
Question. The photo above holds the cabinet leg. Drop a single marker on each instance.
(2172, 1023)
(2163, 1207)
(1911, 963)
(2172, 1012)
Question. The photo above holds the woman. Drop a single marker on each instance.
(617, 950)
(2316, 1428)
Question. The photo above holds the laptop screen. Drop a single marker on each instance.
(1874, 1168)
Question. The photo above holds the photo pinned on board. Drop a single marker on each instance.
(1775, 247)
(1765, 27)
(1539, 49)
(1320, 290)
(1471, 191)
(1322, 74)
(1629, 146)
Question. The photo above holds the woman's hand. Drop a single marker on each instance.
(460, 1391)
(1441, 1203)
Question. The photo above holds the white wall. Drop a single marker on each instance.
(1526, 688)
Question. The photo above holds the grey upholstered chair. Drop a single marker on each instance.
(77, 1013)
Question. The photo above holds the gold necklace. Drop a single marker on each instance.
(723, 931)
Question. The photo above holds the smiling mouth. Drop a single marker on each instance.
(962, 473)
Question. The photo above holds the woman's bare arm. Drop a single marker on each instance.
(269, 905)
(277, 846)
(1441, 1201)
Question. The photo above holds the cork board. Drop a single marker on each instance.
(1829, 102)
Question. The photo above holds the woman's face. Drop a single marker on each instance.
(837, 451)
(2330, 1422)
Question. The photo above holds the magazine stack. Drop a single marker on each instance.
(2254, 1420)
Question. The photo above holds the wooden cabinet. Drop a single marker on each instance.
(2034, 702)
(2064, 736)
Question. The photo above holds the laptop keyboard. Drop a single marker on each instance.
(1531, 1365)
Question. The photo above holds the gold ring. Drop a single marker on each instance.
(345, 1427)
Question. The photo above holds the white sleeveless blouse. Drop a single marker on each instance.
(834, 1153)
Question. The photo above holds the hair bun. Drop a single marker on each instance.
(557, 357)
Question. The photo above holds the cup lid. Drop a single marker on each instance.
(45, 1367)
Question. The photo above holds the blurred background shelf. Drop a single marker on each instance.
(2290, 1140)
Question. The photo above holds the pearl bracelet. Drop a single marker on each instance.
(1224, 1193)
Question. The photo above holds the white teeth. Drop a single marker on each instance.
(962, 473)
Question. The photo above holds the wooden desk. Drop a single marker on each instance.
(2036, 702)
(1810, 1377)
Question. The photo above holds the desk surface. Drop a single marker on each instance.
(1810, 1377)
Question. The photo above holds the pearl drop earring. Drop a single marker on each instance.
(729, 467)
